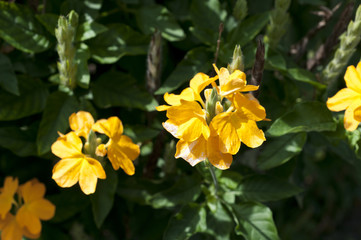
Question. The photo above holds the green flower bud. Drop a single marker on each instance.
(211, 105)
(237, 60)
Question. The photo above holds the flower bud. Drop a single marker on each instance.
(211, 105)
(237, 60)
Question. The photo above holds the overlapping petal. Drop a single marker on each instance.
(199, 82)
(343, 98)
(193, 152)
(353, 78)
(112, 127)
(175, 100)
(215, 156)
(81, 123)
(10, 229)
(7, 195)
(248, 106)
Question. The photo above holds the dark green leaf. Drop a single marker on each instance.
(220, 223)
(189, 220)
(21, 141)
(255, 221)
(49, 21)
(266, 188)
(88, 10)
(303, 75)
(119, 89)
(81, 58)
(280, 150)
(206, 17)
(88, 30)
(103, 198)
(8, 80)
(156, 17)
(304, 117)
(276, 61)
(58, 108)
(185, 190)
(118, 41)
(32, 99)
(19, 28)
(140, 133)
(196, 60)
(248, 30)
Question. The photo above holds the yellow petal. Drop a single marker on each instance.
(29, 220)
(250, 134)
(215, 156)
(66, 171)
(174, 100)
(68, 146)
(11, 230)
(207, 93)
(162, 108)
(223, 76)
(171, 126)
(32, 190)
(342, 99)
(81, 122)
(90, 171)
(200, 81)
(349, 121)
(248, 108)
(192, 129)
(10, 186)
(249, 88)
(231, 86)
(219, 108)
(193, 152)
(226, 124)
(353, 79)
(112, 127)
(357, 114)
(122, 153)
(101, 151)
(7, 195)
(42, 208)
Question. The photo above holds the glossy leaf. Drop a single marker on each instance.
(119, 89)
(280, 150)
(189, 220)
(103, 198)
(118, 41)
(81, 58)
(55, 119)
(8, 80)
(32, 100)
(196, 60)
(21, 141)
(88, 30)
(266, 188)
(255, 222)
(19, 27)
(304, 117)
(303, 75)
(49, 21)
(88, 10)
(156, 17)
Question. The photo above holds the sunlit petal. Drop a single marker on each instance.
(81, 122)
(67, 146)
(250, 134)
(350, 123)
(353, 79)
(343, 98)
(90, 171)
(193, 152)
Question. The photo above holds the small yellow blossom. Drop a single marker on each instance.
(7, 195)
(214, 129)
(75, 166)
(81, 123)
(120, 148)
(349, 98)
(30, 208)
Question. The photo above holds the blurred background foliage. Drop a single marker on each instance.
(302, 183)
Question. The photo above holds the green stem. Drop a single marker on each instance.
(213, 174)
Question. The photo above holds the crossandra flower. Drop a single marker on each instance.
(31, 207)
(349, 98)
(214, 129)
(74, 165)
(120, 149)
(7, 195)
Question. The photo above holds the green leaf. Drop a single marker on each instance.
(304, 117)
(185, 190)
(196, 60)
(255, 222)
(280, 150)
(189, 220)
(156, 17)
(118, 41)
(49, 21)
(88, 10)
(32, 99)
(81, 58)
(58, 109)
(303, 75)
(119, 89)
(140, 133)
(266, 188)
(276, 61)
(88, 30)
(220, 223)
(103, 198)
(206, 16)
(248, 30)
(8, 80)
(19, 28)
(21, 141)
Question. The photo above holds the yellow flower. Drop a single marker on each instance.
(7, 195)
(349, 98)
(11, 229)
(75, 166)
(121, 150)
(215, 129)
(35, 207)
(81, 123)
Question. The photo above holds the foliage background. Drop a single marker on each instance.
(307, 172)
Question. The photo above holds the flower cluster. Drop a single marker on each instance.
(214, 129)
(349, 98)
(83, 162)
(20, 216)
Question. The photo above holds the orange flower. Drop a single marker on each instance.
(7, 195)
